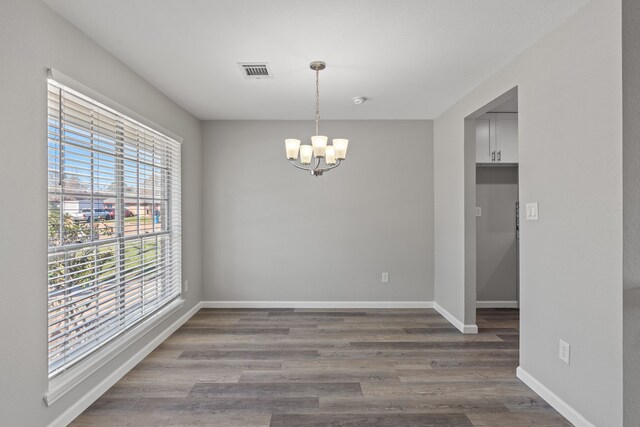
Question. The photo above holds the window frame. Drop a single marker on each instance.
(63, 381)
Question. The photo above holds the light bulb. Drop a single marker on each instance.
(292, 146)
(340, 145)
(319, 143)
(330, 155)
(306, 151)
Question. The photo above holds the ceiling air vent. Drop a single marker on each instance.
(255, 70)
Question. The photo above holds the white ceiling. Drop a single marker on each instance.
(411, 58)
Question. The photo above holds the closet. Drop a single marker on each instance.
(497, 222)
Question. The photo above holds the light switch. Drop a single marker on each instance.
(478, 211)
(532, 211)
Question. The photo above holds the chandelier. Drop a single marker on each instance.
(318, 157)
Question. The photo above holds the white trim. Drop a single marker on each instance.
(465, 329)
(553, 399)
(317, 304)
(496, 304)
(79, 406)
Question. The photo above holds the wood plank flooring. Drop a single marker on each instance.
(339, 368)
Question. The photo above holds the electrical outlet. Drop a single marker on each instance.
(186, 286)
(385, 277)
(564, 352)
(478, 211)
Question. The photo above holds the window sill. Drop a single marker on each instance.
(66, 381)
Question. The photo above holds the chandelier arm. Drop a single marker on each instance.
(330, 167)
(293, 162)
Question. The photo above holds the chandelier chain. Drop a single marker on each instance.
(317, 117)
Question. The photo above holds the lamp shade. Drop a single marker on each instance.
(330, 155)
(306, 151)
(292, 146)
(340, 145)
(319, 142)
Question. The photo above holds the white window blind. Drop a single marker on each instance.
(114, 227)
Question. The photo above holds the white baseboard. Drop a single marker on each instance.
(465, 329)
(317, 304)
(496, 304)
(553, 399)
(78, 407)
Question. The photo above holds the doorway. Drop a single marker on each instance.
(492, 213)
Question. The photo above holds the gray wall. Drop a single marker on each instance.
(570, 141)
(275, 233)
(496, 244)
(631, 168)
(33, 38)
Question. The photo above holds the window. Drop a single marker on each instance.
(114, 228)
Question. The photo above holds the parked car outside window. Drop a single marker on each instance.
(127, 213)
(86, 214)
(77, 216)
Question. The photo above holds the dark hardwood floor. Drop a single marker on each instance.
(285, 367)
